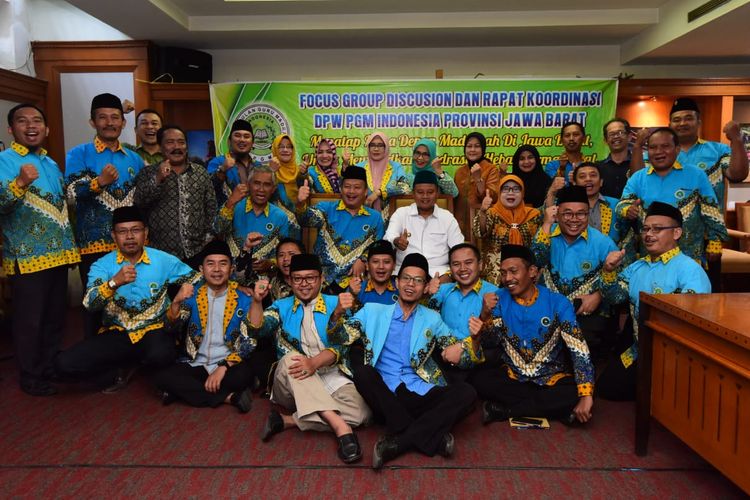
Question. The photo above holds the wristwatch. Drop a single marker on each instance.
(441, 176)
(223, 362)
(112, 284)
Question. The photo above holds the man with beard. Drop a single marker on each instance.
(219, 360)
(147, 123)
(38, 247)
(311, 377)
(253, 224)
(381, 285)
(572, 253)
(425, 228)
(233, 168)
(602, 214)
(615, 168)
(664, 270)
(346, 228)
(177, 199)
(100, 177)
(572, 135)
(129, 285)
(547, 371)
(399, 379)
(683, 186)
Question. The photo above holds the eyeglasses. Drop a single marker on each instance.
(656, 229)
(308, 280)
(418, 154)
(134, 231)
(376, 145)
(616, 133)
(574, 215)
(510, 189)
(412, 279)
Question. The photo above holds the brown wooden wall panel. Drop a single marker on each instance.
(21, 88)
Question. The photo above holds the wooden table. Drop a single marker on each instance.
(694, 376)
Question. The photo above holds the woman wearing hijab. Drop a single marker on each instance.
(284, 163)
(424, 158)
(474, 180)
(508, 220)
(385, 178)
(325, 174)
(527, 165)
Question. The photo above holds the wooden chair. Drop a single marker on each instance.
(404, 200)
(735, 262)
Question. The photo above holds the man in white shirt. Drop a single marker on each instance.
(425, 228)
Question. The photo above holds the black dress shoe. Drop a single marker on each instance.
(38, 388)
(274, 425)
(571, 420)
(447, 445)
(243, 401)
(493, 412)
(167, 398)
(385, 449)
(349, 449)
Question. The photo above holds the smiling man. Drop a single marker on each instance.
(346, 228)
(38, 247)
(230, 170)
(547, 370)
(615, 168)
(177, 198)
(602, 214)
(664, 270)
(572, 135)
(380, 287)
(100, 177)
(147, 123)
(129, 285)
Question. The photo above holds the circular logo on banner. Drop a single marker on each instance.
(267, 123)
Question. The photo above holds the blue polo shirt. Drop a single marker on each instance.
(368, 293)
(456, 308)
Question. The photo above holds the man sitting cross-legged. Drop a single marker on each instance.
(547, 371)
(311, 376)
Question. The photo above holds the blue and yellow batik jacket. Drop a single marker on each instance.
(138, 307)
(273, 223)
(429, 332)
(94, 203)
(36, 230)
(193, 315)
(540, 339)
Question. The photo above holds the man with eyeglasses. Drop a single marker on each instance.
(129, 285)
(546, 367)
(400, 380)
(684, 186)
(602, 214)
(346, 228)
(664, 270)
(177, 198)
(615, 168)
(233, 168)
(312, 376)
(425, 228)
(572, 254)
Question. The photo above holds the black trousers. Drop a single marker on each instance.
(617, 383)
(38, 301)
(527, 399)
(92, 320)
(188, 383)
(102, 354)
(416, 421)
(599, 332)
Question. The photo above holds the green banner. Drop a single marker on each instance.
(508, 112)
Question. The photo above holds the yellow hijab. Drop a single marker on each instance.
(516, 216)
(287, 174)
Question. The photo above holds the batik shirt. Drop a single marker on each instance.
(180, 210)
(223, 187)
(690, 191)
(94, 203)
(572, 269)
(342, 237)
(605, 218)
(456, 308)
(368, 293)
(671, 272)
(139, 307)
(540, 340)
(273, 223)
(34, 220)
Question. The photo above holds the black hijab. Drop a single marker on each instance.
(482, 143)
(536, 182)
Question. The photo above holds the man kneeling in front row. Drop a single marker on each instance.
(219, 362)
(534, 328)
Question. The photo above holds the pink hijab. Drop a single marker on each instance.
(377, 168)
